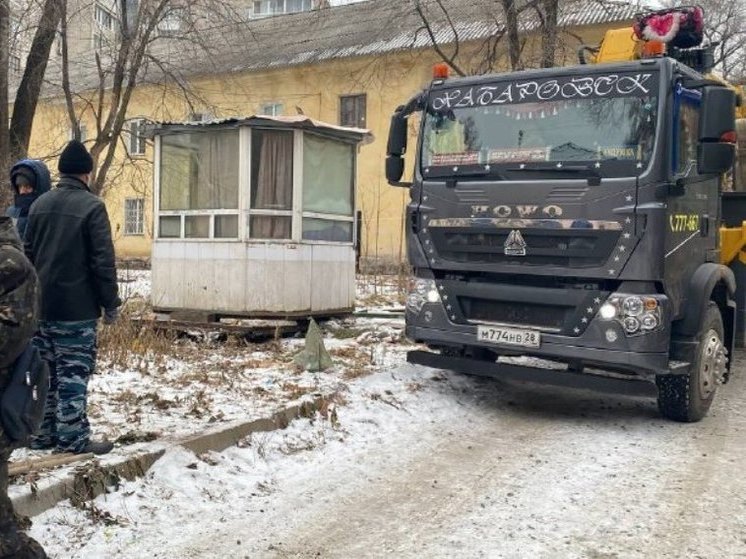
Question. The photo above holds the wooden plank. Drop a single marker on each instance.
(46, 463)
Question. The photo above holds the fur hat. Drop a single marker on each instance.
(75, 159)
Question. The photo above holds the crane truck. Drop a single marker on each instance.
(579, 215)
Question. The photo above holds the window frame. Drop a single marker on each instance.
(158, 213)
(273, 105)
(685, 100)
(136, 138)
(245, 191)
(107, 15)
(141, 221)
(357, 117)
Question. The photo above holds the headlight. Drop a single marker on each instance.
(636, 314)
(422, 291)
(633, 306)
(631, 325)
(649, 321)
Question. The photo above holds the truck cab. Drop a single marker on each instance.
(572, 214)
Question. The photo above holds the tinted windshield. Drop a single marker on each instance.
(607, 121)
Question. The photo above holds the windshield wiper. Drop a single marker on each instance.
(476, 173)
(593, 176)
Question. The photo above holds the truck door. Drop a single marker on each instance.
(692, 210)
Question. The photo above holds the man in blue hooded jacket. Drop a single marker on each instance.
(29, 179)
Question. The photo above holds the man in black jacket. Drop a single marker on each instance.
(68, 239)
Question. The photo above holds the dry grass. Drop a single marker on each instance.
(128, 342)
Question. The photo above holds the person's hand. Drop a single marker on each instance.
(111, 315)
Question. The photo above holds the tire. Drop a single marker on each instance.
(687, 398)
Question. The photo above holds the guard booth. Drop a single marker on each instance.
(254, 217)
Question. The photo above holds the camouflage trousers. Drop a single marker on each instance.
(70, 350)
(13, 541)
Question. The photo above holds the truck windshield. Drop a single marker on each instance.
(606, 121)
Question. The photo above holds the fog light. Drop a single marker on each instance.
(607, 311)
(415, 302)
(633, 306)
(422, 291)
(611, 335)
(631, 325)
(649, 321)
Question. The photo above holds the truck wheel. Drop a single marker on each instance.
(687, 398)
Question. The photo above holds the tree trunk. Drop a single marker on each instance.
(4, 63)
(511, 24)
(549, 33)
(27, 96)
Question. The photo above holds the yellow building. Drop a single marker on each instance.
(350, 65)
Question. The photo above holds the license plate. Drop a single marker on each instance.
(508, 336)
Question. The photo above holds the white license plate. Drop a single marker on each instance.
(508, 336)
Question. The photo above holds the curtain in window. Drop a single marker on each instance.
(273, 181)
(199, 171)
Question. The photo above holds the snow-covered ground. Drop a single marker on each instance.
(419, 463)
(155, 386)
(407, 462)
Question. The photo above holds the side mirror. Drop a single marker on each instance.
(397, 144)
(394, 169)
(717, 131)
(395, 148)
(715, 158)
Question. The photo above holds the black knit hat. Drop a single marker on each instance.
(75, 159)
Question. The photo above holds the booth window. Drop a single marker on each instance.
(199, 185)
(328, 184)
(270, 215)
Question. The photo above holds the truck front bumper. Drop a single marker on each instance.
(590, 349)
(633, 386)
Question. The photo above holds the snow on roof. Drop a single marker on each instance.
(362, 135)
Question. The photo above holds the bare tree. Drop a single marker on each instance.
(511, 24)
(507, 16)
(4, 62)
(548, 13)
(29, 89)
(725, 27)
(153, 43)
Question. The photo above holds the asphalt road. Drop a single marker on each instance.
(514, 471)
(424, 464)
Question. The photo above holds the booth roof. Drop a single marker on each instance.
(361, 135)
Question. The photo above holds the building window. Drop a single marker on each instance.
(266, 8)
(352, 110)
(171, 23)
(83, 132)
(199, 185)
(99, 40)
(199, 117)
(14, 63)
(104, 18)
(271, 109)
(136, 143)
(134, 210)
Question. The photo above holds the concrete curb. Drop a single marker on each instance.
(85, 484)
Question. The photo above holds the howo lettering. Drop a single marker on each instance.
(574, 214)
